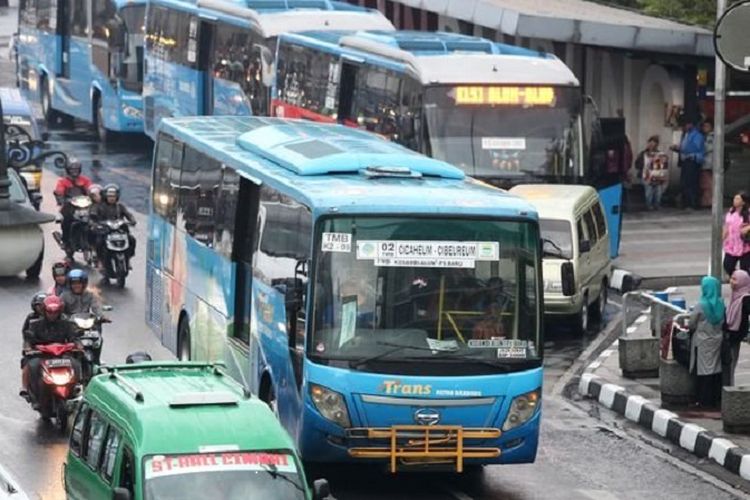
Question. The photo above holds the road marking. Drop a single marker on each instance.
(598, 494)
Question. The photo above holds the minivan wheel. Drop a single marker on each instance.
(601, 301)
(582, 318)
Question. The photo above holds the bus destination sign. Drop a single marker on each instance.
(504, 95)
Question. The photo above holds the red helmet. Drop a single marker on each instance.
(53, 305)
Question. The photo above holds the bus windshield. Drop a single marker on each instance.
(452, 291)
(229, 476)
(496, 133)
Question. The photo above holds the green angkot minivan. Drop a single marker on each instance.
(181, 431)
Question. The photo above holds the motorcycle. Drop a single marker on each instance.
(79, 207)
(60, 389)
(116, 237)
(88, 328)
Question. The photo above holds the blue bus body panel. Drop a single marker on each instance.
(612, 200)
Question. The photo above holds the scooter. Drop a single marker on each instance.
(60, 389)
(79, 229)
(89, 340)
(116, 248)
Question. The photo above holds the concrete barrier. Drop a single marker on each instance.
(639, 357)
(676, 383)
(735, 409)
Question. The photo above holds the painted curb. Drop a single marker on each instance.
(691, 437)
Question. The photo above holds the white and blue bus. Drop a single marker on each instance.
(504, 114)
(216, 57)
(368, 293)
(84, 59)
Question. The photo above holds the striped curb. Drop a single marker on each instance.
(691, 437)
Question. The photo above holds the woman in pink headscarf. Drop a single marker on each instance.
(737, 323)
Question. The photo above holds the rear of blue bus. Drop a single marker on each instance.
(424, 345)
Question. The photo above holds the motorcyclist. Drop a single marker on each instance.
(95, 193)
(73, 184)
(37, 309)
(51, 328)
(76, 299)
(112, 209)
(60, 275)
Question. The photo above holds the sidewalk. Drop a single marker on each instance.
(640, 401)
(666, 248)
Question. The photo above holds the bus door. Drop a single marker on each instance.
(347, 89)
(206, 36)
(62, 55)
(245, 230)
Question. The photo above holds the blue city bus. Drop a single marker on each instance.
(504, 114)
(369, 294)
(216, 57)
(84, 59)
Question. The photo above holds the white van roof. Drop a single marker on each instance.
(555, 201)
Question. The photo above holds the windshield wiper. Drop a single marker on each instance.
(273, 471)
(395, 348)
(558, 251)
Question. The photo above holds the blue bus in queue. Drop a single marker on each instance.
(84, 59)
(504, 114)
(366, 292)
(216, 57)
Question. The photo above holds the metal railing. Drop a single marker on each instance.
(662, 314)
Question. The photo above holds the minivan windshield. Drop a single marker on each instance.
(441, 291)
(245, 475)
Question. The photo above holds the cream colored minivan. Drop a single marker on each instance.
(576, 262)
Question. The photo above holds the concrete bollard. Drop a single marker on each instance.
(735, 409)
(639, 357)
(677, 385)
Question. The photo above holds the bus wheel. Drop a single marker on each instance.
(183, 341)
(50, 115)
(101, 131)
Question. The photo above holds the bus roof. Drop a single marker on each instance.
(273, 17)
(337, 168)
(177, 407)
(14, 103)
(443, 57)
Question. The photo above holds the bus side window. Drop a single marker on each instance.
(410, 115)
(199, 185)
(226, 210)
(376, 101)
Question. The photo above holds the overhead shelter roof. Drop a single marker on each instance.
(577, 21)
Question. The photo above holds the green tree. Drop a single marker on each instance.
(702, 12)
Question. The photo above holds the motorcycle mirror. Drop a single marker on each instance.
(106, 307)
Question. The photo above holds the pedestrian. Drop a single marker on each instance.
(706, 181)
(735, 232)
(655, 171)
(706, 322)
(736, 326)
(691, 154)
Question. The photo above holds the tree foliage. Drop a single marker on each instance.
(701, 12)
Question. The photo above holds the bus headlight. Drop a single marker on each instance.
(330, 404)
(131, 112)
(522, 409)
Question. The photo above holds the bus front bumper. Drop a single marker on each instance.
(416, 445)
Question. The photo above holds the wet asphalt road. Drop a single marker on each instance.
(579, 457)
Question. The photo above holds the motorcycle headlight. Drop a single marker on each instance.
(131, 112)
(522, 409)
(33, 179)
(84, 323)
(330, 404)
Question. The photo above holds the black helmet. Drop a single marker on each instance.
(110, 189)
(78, 275)
(38, 300)
(59, 269)
(138, 357)
(73, 168)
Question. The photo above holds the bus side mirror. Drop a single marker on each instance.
(321, 489)
(568, 278)
(121, 494)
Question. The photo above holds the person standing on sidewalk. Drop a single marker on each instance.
(706, 322)
(736, 229)
(737, 324)
(655, 171)
(691, 154)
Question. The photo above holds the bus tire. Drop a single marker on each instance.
(183, 340)
(50, 115)
(102, 133)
